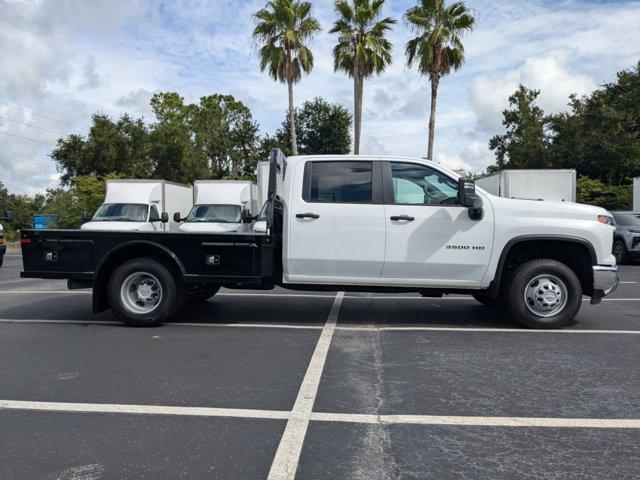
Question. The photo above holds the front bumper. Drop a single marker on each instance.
(605, 281)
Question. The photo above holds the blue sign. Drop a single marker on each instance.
(43, 222)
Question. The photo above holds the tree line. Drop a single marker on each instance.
(599, 137)
(215, 138)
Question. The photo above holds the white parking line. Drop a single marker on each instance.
(356, 328)
(142, 409)
(478, 421)
(483, 330)
(285, 462)
(169, 324)
(623, 423)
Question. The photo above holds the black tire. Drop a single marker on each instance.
(486, 300)
(170, 302)
(620, 252)
(201, 294)
(1, 259)
(514, 294)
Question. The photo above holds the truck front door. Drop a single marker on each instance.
(336, 226)
(431, 241)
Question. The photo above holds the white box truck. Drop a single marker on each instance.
(559, 185)
(636, 194)
(221, 206)
(141, 205)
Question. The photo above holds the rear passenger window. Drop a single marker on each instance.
(339, 182)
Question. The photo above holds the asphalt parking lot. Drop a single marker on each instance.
(328, 385)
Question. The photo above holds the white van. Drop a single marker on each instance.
(141, 205)
(221, 206)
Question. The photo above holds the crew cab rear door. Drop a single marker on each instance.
(336, 227)
(430, 239)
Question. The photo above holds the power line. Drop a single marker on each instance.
(26, 161)
(33, 126)
(26, 138)
(36, 113)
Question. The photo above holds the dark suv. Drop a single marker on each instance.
(626, 242)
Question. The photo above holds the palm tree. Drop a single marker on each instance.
(282, 28)
(438, 47)
(362, 48)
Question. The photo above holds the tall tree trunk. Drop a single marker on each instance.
(357, 108)
(292, 121)
(435, 80)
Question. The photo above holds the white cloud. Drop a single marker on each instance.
(548, 73)
(90, 78)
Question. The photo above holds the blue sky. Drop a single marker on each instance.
(69, 58)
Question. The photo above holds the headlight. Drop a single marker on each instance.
(606, 219)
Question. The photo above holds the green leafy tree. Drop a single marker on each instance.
(611, 197)
(362, 49)
(600, 136)
(437, 49)
(121, 146)
(323, 128)
(283, 28)
(525, 143)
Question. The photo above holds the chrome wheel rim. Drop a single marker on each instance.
(545, 295)
(141, 293)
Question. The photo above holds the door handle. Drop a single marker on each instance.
(307, 215)
(402, 218)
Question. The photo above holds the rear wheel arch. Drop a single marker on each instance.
(577, 253)
(127, 251)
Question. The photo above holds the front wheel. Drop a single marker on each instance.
(143, 293)
(543, 293)
(620, 252)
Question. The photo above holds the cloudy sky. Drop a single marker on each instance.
(62, 60)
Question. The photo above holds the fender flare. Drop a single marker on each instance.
(494, 286)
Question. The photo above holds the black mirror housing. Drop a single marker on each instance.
(7, 216)
(177, 218)
(246, 216)
(467, 197)
(164, 217)
(86, 217)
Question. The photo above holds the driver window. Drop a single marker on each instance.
(420, 185)
(153, 214)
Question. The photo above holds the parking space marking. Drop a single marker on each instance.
(478, 421)
(486, 330)
(169, 324)
(142, 409)
(359, 328)
(624, 423)
(285, 462)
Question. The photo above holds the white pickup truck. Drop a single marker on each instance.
(354, 223)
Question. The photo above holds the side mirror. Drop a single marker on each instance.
(467, 197)
(177, 218)
(246, 216)
(86, 217)
(164, 217)
(7, 216)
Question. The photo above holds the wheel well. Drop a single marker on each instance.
(577, 256)
(116, 257)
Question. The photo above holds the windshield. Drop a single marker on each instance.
(628, 219)
(215, 214)
(262, 216)
(121, 212)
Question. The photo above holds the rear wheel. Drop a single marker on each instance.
(143, 293)
(543, 293)
(620, 252)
